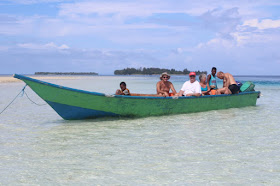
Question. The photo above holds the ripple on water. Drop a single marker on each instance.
(234, 146)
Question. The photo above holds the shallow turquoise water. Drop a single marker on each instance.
(234, 146)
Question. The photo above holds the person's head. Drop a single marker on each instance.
(213, 71)
(192, 76)
(123, 85)
(220, 75)
(164, 76)
(202, 78)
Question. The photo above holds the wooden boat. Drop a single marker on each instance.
(73, 104)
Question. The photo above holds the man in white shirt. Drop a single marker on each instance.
(191, 87)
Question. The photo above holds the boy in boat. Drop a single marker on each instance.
(191, 87)
(164, 86)
(211, 79)
(123, 90)
(229, 85)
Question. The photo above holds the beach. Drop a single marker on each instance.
(236, 146)
(7, 79)
(10, 78)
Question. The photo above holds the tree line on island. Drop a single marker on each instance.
(66, 73)
(151, 71)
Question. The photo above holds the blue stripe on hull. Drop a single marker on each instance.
(69, 112)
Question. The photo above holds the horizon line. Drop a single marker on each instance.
(132, 75)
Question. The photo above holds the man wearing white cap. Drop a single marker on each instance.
(191, 87)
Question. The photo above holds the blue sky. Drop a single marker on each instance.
(238, 36)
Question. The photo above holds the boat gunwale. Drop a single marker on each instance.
(22, 77)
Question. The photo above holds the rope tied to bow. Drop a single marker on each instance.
(21, 93)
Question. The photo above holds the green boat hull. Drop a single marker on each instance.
(78, 104)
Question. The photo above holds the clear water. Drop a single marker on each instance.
(234, 146)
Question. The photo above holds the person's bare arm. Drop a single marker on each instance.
(205, 92)
(172, 88)
(194, 94)
(208, 80)
(227, 81)
(181, 93)
(231, 80)
(224, 82)
(118, 92)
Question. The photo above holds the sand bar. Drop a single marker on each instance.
(11, 79)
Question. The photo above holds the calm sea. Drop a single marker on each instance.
(225, 147)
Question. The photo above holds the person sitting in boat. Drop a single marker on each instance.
(123, 90)
(211, 79)
(229, 85)
(191, 87)
(205, 89)
(164, 86)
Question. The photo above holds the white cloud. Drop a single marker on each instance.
(217, 43)
(47, 46)
(149, 7)
(4, 48)
(36, 1)
(31, 57)
(108, 20)
(126, 8)
(210, 32)
(263, 24)
(254, 31)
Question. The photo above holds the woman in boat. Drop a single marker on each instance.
(205, 89)
(164, 86)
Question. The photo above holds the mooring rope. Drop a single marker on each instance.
(33, 101)
(13, 99)
(22, 92)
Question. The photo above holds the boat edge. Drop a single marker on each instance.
(22, 77)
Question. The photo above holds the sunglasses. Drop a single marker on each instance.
(165, 77)
(192, 76)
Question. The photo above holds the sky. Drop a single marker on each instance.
(241, 37)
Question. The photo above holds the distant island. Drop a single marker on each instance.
(66, 73)
(151, 71)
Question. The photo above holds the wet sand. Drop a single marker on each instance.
(8, 79)
(11, 79)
